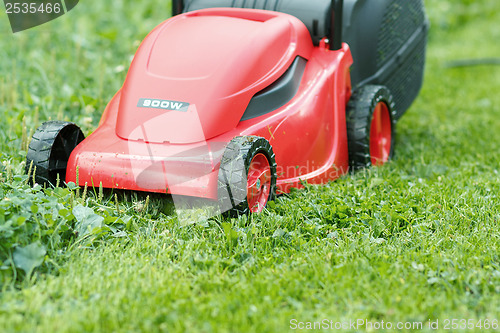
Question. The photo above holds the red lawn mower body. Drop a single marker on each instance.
(238, 104)
(189, 92)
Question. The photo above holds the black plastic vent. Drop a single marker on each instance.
(278, 93)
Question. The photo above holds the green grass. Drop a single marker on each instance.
(417, 239)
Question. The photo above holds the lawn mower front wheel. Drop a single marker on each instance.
(247, 176)
(49, 151)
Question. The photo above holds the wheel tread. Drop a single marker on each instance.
(232, 184)
(358, 119)
(40, 149)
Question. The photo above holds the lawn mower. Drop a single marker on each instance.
(237, 101)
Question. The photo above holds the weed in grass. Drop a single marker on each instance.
(37, 226)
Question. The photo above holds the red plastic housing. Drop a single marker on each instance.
(201, 69)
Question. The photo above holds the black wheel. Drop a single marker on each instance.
(247, 175)
(49, 150)
(370, 126)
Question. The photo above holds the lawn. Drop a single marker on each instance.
(416, 240)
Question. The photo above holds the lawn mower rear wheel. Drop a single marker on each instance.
(370, 126)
